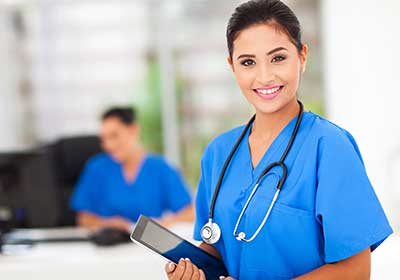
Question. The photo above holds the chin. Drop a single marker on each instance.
(271, 107)
(268, 108)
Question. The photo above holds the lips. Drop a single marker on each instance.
(268, 92)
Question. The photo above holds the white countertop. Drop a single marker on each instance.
(83, 260)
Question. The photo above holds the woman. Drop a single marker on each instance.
(326, 219)
(125, 181)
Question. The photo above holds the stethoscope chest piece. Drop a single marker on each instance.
(211, 232)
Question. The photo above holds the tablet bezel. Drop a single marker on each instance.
(139, 228)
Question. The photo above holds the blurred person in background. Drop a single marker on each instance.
(126, 181)
(291, 194)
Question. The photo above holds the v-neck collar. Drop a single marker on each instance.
(137, 173)
(270, 154)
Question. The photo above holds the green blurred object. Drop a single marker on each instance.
(314, 106)
(148, 105)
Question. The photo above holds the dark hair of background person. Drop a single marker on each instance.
(264, 11)
(127, 115)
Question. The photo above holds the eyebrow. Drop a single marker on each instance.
(268, 53)
(246, 55)
(276, 50)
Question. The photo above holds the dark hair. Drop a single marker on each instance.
(126, 115)
(264, 11)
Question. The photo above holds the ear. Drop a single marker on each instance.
(230, 63)
(134, 129)
(303, 57)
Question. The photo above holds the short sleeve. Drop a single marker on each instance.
(85, 194)
(201, 204)
(177, 195)
(347, 207)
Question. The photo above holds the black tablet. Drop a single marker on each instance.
(172, 247)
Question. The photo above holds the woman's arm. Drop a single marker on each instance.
(94, 222)
(357, 267)
(184, 215)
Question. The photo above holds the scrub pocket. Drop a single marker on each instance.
(288, 244)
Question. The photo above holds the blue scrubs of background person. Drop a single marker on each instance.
(119, 185)
(327, 218)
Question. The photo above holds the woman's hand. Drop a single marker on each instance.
(118, 223)
(185, 270)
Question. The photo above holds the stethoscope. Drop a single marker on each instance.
(211, 232)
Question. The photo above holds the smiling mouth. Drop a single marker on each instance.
(268, 91)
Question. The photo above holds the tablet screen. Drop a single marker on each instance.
(171, 246)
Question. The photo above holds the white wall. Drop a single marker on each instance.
(13, 134)
(85, 56)
(361, 59)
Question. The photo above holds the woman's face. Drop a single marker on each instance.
(118, 138)
(267, 67)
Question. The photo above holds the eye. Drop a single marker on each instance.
(278, 58)
(247, 62)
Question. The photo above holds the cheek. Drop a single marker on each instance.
(125, 141)
(108, 145)
(245, 79)
(290, 75)
(295, 70)
(294, 77)
(113, 144)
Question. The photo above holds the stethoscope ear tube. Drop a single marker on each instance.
(269, 167)
(283, 178)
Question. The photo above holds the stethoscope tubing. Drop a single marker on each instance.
(211, 232)
(266, 170)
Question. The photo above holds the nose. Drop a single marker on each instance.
(265, 74)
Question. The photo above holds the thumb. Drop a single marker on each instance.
(170, 267)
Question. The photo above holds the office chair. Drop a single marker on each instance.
(68, 158)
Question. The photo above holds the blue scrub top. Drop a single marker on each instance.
(327, 210)
(103, 190)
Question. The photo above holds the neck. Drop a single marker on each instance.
(135, 157)
(267, 126)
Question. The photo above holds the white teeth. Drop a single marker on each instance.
(268, 91)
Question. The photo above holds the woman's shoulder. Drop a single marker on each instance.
(223, 143)
(156, 161)
(331, 135)
(99, 161)
(227, 138)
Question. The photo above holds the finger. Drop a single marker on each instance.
(169, 267)
(187, 275)
(196, 273)
(179, 270)
(202, 275)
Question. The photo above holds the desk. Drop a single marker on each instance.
(81, 260)
(84, 260)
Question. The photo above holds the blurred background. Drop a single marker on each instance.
(62, 63)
